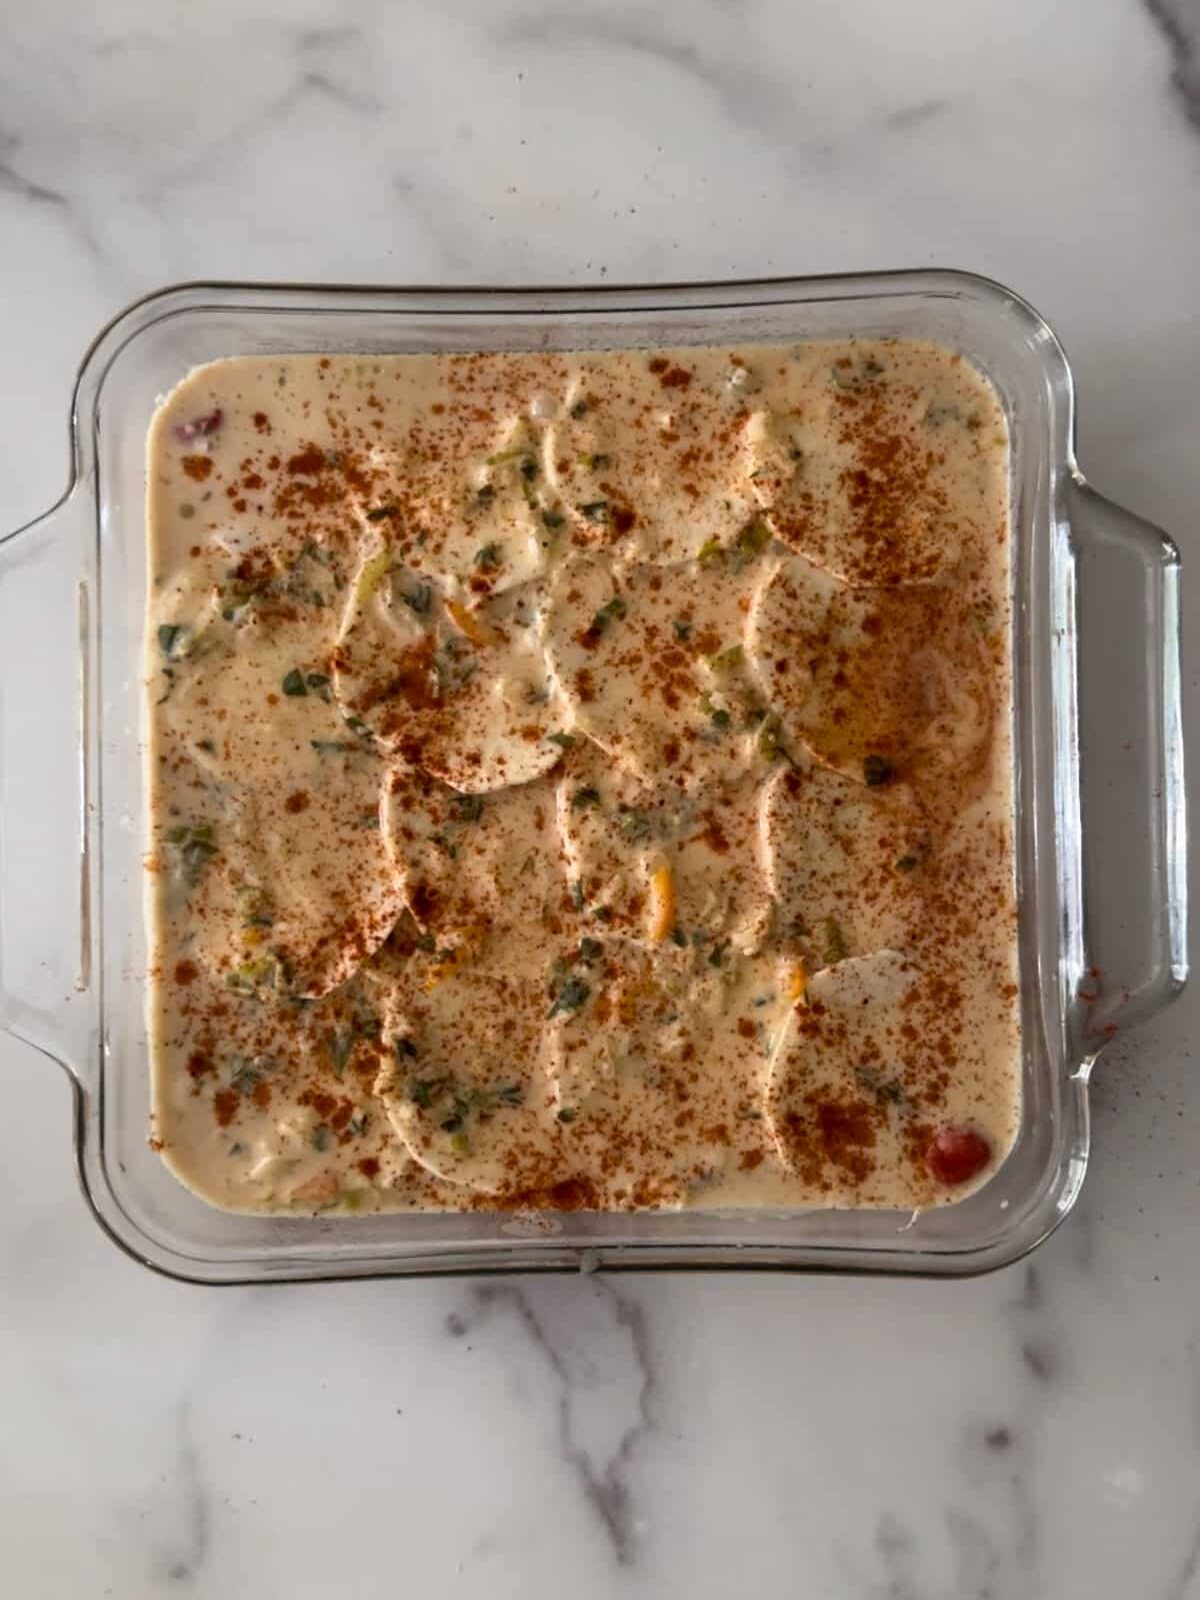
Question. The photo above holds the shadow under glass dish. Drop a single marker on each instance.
(1100, 838)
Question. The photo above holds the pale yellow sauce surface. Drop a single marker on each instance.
(582, 780)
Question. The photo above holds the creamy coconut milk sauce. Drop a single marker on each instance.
(582, 780)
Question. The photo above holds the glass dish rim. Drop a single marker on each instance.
(1059, 441)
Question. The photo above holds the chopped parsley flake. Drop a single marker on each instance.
(172, 636)
(751, 541)
(417, 598)
(569, 995)
(877, 770)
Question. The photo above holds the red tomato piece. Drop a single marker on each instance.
(956, 1155)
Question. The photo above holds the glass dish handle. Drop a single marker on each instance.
(45, 887)
(1134, 836)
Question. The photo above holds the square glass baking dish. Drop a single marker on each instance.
(1099, 791)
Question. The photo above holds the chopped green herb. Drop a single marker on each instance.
(728, 659)
(678, 937)
(596, 463)
(582, 798)
(595, 511)
(417, 599)
(570, 994)
(456, 1102)
(553, 519)
(567, 1114)
(717, 715)
(421, 1091)
(563, 740)
(682, 627)
(293, 683)
(319, 684)
(195, 846)
(426, 944)
(769, 745)
(244, 1077)
(936, 415)
(907, 864)
(256, 908)
(836, 948)
(709, 551)
(577, 899)
(467, 807)
(320, 1137)
(171, 638)
(341, 1048)
(264, 972)
(751, 541)
(612, 611)
(590, 949)
(518, 452)
(403, 1048)
(579, 409)
(488, 557)
(329, 747)
(877, 770)
(452, 667)
(358, 1124)
(889, 1090)
(382, 513)
(633, 825)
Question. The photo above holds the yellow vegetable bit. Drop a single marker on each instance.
(451, 960)
(471, 626)
(662, 903)
(797, 981)
(373, 573)
(444, 969)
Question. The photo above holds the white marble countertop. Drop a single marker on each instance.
(1033, 1435)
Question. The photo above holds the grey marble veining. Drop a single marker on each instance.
(1180, 23)
(1029, 1436)
(598, 1354)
